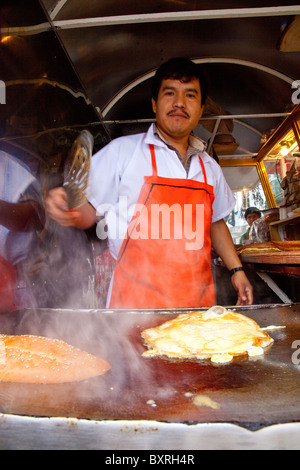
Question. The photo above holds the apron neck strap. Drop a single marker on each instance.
(154, 166)
(203, 169)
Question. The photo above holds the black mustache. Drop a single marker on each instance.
(170, 113)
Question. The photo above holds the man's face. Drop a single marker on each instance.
(178, 107)
(252, 217)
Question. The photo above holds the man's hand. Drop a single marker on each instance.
(243, 287)
(57, 207)
(82, 217)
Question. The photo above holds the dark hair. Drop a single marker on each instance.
(252, 210)
(181, 69)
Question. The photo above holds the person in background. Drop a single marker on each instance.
(20, 219)
(167, 167)
(251, 214)
(37, 263)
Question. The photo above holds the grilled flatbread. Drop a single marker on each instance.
(35, 359)
(288, 245)
(254, 248)
(217, 334)
(269, 247)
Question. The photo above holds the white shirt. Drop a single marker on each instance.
(117, 176)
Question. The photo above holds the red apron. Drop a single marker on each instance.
(7, 286)
(165, 259)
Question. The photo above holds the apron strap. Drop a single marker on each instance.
(203, 170)
(154, 166)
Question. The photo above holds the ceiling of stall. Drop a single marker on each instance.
(70, 64)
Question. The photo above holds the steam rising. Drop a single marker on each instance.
(59, 270)
(111, 335)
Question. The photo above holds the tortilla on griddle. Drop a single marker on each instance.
(217, 334)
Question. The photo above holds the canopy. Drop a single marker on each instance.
(68, 65)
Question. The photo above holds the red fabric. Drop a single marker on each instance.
(7, 286)
(153, 272)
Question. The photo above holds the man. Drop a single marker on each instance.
(251, 214)
(165, 175)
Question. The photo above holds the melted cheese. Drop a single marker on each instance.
(217, 334)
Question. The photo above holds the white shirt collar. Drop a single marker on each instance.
(154, 136)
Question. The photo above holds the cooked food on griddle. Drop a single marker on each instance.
(35, 359)
(217, 334)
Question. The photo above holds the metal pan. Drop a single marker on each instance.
(252, 394)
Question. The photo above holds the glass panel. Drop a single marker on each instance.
(285, 147)
(275, 173)
(248, 192)
(283, 168)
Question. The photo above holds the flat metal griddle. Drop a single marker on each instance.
(250, 393)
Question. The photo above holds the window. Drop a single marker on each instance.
(248, 192)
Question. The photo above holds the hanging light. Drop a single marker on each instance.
(285, 148)
(5, 39)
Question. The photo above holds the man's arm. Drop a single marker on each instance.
(82, 217)
(224, 247)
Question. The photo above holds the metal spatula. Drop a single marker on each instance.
(76, 171)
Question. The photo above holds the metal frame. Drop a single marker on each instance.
(22, 432)
(262, 173)
(173, 16)
(291, 122)
(179, 16)
(151, 18)
(212, 60)
(263, 176)
(279, 134)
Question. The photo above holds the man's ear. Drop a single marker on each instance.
(154, 105)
